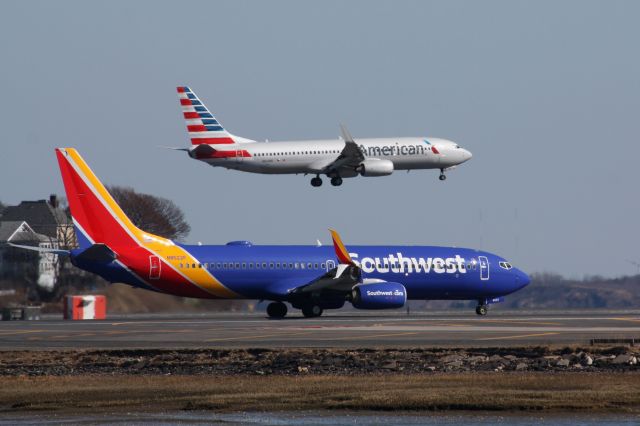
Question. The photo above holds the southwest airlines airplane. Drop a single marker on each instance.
(337, 159)
(310, 278)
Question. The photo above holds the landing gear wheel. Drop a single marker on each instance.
(442, 175)
(316, 181)
(336, 181)
(276, 310)
(482, 310)
(311, 311)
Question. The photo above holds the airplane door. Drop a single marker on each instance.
(154, 267)
(239, 156)
(330, 265)
(484, 267)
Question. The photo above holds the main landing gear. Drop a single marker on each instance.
(482, 310)
(311, 311)
(276, 310)
(442, 175)
(317, 181)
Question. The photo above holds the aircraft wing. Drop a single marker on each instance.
(351, 156)
(342, 278)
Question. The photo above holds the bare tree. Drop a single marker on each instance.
(153, 214)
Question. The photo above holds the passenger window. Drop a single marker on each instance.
(315, 266)
(301, 265)
(309, 265)
(257, 265)
(224, 265)
(181, 265)
(219, 265)
(193, 265)
(322, 265)
(297, 265)
(244, 265)
(250, 265)
(264, 265)
(291, 266)
(237, 265)
(278, 265)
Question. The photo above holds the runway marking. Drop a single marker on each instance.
(521, 336)
(516, 321)
(370, 336)
(626, 319)
(8, 333)
(257, 336)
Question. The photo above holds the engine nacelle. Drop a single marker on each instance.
(376, 167)
(385, 295)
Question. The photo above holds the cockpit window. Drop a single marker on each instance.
(505, 265)
(457, 146)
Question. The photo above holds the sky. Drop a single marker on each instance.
(546, 95)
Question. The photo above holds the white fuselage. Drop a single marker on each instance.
(314, 156)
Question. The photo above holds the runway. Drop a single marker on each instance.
(334, 330)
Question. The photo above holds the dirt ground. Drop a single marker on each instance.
(552, 392)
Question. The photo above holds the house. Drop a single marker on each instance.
(44, 217)
(24, 265)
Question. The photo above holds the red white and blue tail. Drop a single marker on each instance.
(202, 126)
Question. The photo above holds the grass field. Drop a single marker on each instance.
(557, 392)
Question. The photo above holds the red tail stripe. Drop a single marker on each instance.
(180, 89)
(225, 154)
(190, 115)
(185, 101)
(197, 128)
(212, 141)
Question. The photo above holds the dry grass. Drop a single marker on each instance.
(610, 392)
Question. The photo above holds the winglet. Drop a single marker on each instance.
(346, 136)
(341, 251)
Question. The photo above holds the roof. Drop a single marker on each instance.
(40, 215)
(19, 231)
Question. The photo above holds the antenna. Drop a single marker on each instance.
(636, 264)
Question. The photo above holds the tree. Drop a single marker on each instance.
(153, 214)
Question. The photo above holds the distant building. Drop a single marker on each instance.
(23, 265)
(40, 223)
(44, 217)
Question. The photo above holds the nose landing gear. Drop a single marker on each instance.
(482, 310)
(442, 175)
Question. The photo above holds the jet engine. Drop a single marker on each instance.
(385, 295)
(375, 167)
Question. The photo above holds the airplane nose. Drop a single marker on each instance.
(466, 155)
(522, 279)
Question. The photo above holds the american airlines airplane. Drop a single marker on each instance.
(310, 278)
(337, 159)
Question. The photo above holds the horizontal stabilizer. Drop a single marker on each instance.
(97, 253)
(42, 249)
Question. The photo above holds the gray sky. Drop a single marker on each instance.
(545, 94)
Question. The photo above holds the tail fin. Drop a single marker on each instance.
(201, 124)
(96, 216)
